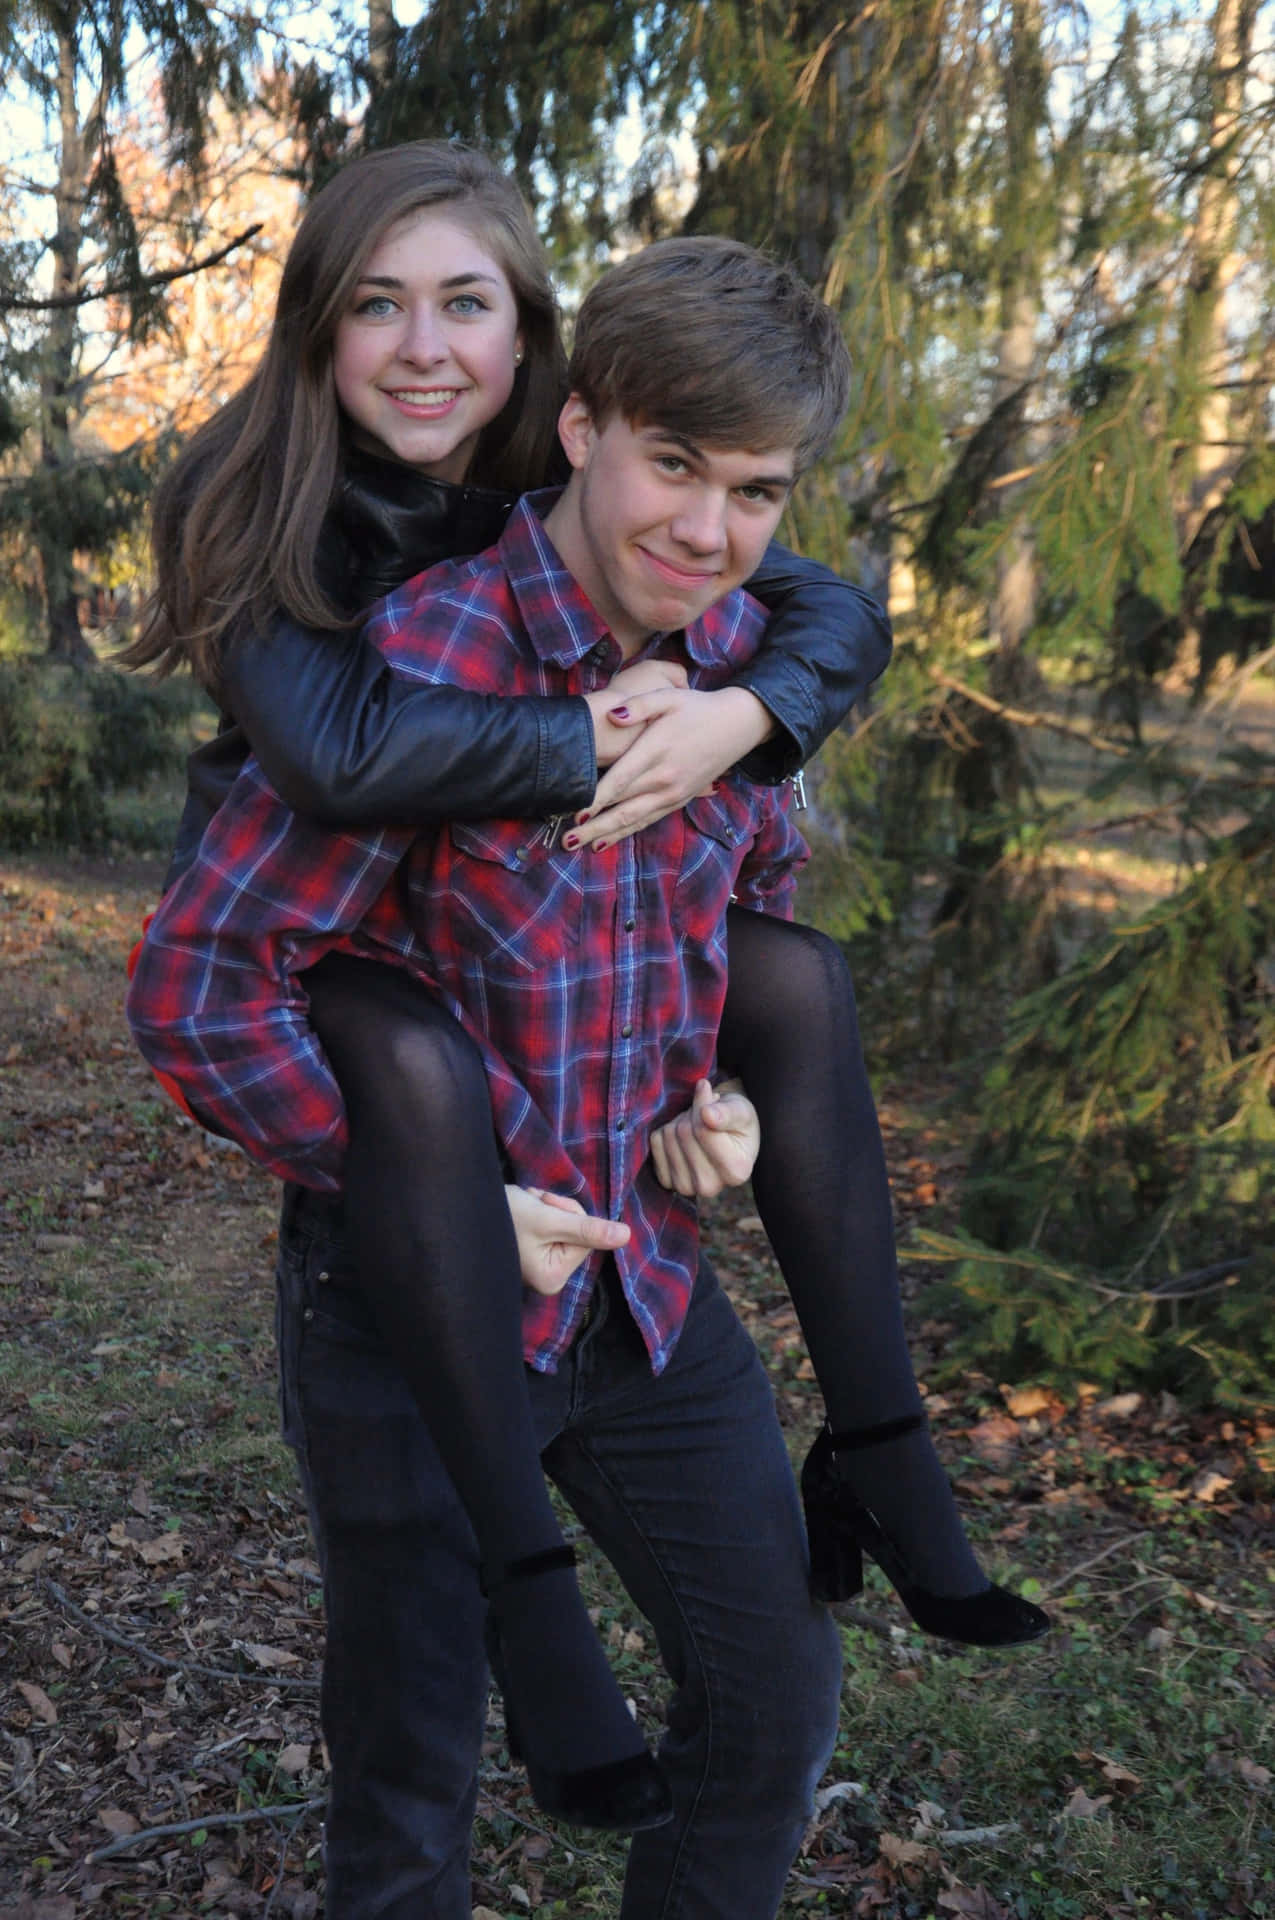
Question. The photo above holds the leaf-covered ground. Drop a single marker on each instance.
(159, 1609)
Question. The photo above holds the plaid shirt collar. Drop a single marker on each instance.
(561, 624)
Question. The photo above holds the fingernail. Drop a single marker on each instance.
(619, 713)
(582, 817)
(571, 841)
(600, 846)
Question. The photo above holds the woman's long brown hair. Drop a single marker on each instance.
(237, 520)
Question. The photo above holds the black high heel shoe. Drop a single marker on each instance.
(621, 1796)
(841, 1530)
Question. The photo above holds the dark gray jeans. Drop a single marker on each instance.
(683, 1481)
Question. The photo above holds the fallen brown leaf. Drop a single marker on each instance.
(972, 1903)
(272, 1658)
(158, 1553)
(38, 1701)
(904, 1853)
(995, 1438)
(1120, 1776)
(1081, 1807)
(116, 1821)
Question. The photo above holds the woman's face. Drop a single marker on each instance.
(426, 352)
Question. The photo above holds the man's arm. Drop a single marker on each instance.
(214, 1002)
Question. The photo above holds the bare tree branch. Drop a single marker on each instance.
(121, 289)
(297, 1809)
(103, 1632)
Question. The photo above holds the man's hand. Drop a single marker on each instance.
(555, 1234)
(712, 1145)
(612, 738)
(685, 740)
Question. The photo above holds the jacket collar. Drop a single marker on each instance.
(392, 522)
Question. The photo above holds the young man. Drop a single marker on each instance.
(704, 379)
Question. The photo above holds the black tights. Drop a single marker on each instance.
(435, 1248)
(791, 1031)
(433, 1244)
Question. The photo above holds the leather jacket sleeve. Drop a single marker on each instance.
(350, 743)
(826, 642)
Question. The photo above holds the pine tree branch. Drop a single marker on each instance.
(120, 290)
(1020, 718)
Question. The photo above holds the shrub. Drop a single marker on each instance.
(71, 740)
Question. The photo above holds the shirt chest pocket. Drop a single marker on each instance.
(512, 904)
(720, 827)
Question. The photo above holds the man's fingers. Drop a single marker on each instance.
(682, 1164)
(593, 1232)
(562, 1201)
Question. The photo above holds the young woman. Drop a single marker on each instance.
(408, 393)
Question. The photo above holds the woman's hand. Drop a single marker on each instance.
(684, 740)
(714, 1144)
(555, 1234)
(612, 738)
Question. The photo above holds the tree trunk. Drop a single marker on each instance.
(54, 541)
(382, 39)
(1214, 263)
(1013, 609)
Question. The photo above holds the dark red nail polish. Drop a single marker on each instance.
(571, 842)
(619, 713)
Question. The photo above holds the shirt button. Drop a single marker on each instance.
(626, 1032)
(619, 1126)
(629, 925)
(325, 1275)
(308, 1314)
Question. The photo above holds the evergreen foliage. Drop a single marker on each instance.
(1120, 1215)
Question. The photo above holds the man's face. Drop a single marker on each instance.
(654, 528)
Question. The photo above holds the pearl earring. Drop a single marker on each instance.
(517, 356)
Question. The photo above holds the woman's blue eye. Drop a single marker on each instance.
(466, 303)
(376, 304)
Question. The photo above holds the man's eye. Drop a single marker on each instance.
(671, 462)
(757, 496)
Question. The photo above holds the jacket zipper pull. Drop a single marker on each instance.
(797, 782)
(551, 831)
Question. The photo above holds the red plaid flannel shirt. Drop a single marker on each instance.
(592, 983)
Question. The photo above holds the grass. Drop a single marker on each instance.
(1121, 1770)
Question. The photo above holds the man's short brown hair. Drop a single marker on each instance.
(713, 340)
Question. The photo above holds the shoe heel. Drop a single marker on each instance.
(836, 1560)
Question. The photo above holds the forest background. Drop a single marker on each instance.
(1048, 840)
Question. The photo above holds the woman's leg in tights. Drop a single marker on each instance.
(791, 1031)
(430, 1231)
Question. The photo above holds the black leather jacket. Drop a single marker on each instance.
(346, 740)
